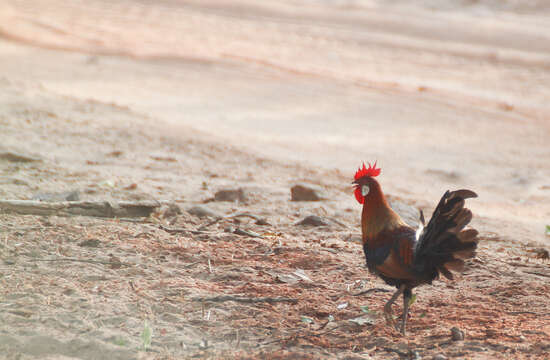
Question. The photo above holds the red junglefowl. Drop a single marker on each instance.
(405, 257)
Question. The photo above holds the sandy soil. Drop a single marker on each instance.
(175, 100)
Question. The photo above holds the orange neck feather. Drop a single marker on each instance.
(377, 214)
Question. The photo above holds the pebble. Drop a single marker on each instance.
(439, 357)
(457, 334)
(314, 220)
(230, 195)
(202, 211)
(305, 192)
(170, 210)
(90, 243)
(17, 157)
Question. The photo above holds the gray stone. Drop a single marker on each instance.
(202, 211)
(457, 334)
(305, 192)
(230, 195)
(17, 157)
(314, 220)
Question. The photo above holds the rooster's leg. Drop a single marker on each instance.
(387, 307)
(407, 294)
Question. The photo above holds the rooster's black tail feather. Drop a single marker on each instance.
(443, 244)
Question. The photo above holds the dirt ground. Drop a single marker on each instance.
(174, 101)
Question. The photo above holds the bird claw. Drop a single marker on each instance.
(400, 329)
(389, 319)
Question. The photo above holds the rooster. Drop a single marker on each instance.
(405, 257)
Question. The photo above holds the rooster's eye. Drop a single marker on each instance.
(364, 190)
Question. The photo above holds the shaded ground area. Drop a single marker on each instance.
(86, 288)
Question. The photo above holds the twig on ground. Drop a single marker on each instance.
(299, 337)
(239, 231)
(526, 312)
(191, 265)
(216, 220)
(183, 230)
(536, 273)
(371, 290)
(246, 300)
(397, 351)
(85, 261)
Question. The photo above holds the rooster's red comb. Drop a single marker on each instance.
(371, 171)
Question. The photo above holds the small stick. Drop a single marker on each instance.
(246, 233)
(84, 261)
(371, 290)
(536, 273)
(202, 227)
(299, 337)
(183, 230)
(246, 300)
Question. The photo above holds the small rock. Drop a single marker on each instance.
(203, 345)
(230, 195)
(229, 229)
(61, 196)
(171, 210)
(262, 221)
(202, 211)
(116, 153)
(314, 220)
(132, 186)
(342, 306)
(246, 233)
(162, 157)
(90, 243)
(457, 334)
(305, 192)
(439, 357)
(16, 157)
(364, 320)
(540, 253)
(287, 279)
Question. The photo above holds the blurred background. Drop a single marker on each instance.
(443, 94)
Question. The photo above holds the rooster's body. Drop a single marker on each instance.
(405, 257)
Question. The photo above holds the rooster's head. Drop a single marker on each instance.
(363, 180)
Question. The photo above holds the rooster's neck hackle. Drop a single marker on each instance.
(377, 214)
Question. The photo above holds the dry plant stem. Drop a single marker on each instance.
(371, 290)
(216, 220)
(537, 273)
(247, 300)
(85, 261)
(298, 337)
(183, 230)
